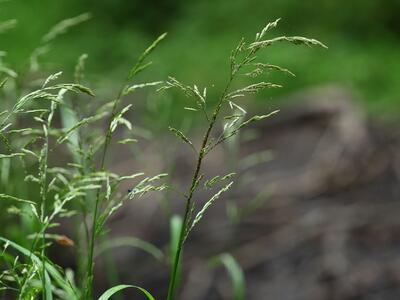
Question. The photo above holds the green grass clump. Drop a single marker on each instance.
(48, 118)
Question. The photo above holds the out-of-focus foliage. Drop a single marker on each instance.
(363, 37)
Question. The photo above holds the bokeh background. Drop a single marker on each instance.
(363, 38)
(322, 179)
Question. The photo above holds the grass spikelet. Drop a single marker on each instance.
(63, 27)
(7, 25)
(252, 89)
(210, 202)
(80, 68)
(268, 27)
(297, 40)
(138, 66)
(51, 78)
(181, 136)
(118, 119)
(81, 123)
(8, 197)
(208, 184)
(135, 87)
(261, 67)
(127, 141)
(2, 156)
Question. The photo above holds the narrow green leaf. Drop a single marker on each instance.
(132, 242)
(235, 272)
(48, 286)
(175, 231)
(69, 118)
(107, 294)
(54, 273)
(175, 227)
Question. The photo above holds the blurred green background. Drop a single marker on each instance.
(363, 39)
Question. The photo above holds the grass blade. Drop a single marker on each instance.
(107, 294)
(132, 242)
(50, 269)
(235, 273)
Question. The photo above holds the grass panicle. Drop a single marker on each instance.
(243, 56)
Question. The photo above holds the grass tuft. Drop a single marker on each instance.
(53, 116)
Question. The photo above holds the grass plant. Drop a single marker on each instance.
(48, 117)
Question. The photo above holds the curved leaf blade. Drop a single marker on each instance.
(111, 291)
(132, 242)
(235, 273)
(54, 273)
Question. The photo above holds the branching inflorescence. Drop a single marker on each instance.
(242, 57)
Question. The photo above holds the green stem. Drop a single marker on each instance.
(177, 256)
(43, 188)
(90, 262)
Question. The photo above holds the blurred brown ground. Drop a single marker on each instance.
(316, 218)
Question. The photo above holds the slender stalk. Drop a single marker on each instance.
(90, 262)
(135, 70)
(202, 152)
(43, 188)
